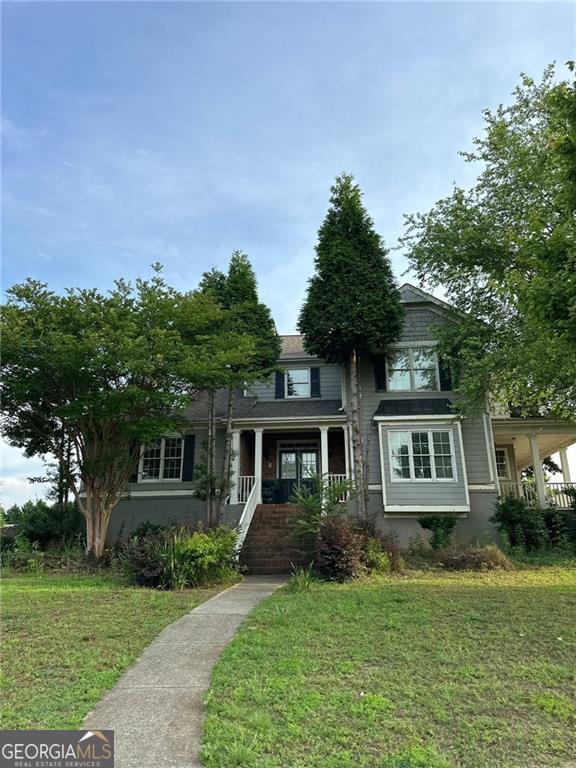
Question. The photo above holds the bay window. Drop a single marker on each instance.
(421, 455)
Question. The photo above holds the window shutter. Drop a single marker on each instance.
(380, 373)
(188, 460)
(279, 393)
(134, 476)
(445, 376)
(315, 382)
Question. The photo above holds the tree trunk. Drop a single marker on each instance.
(210, 460)
(226, 469)
(97, 514)
(357, 442)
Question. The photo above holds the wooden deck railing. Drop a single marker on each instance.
(557, 494)
(245, 485)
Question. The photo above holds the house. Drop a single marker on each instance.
(422, 458)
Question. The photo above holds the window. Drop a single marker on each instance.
(412, 369)
(297, 382)
(421, 455)
(502, 463)
(162, 460)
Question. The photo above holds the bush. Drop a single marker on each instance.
(47, 523)
(147, 529)
(442, 527)
(374, 558)
(520, 525)
(179, 558)
(301, 580)
(23, 555)
(389, 544)
(338, 550)
(471, 558)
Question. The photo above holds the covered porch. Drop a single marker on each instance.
(271, 461)
(521, 443)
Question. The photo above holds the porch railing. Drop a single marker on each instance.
(557, 494)
(245, 486)
(247, 515)
(335, 480)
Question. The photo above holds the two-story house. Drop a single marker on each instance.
(423, 458)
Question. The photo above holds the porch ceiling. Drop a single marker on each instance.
(552, 436)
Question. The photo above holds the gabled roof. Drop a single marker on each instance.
(410, 294)
(293, 347)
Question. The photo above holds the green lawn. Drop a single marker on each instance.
(466, 671)
(66, 639)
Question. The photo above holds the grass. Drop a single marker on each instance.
(66, 639)
(428, 671)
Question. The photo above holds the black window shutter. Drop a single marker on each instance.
(315, 382)
(445, 376)
(380, 373)
(188, 461)
(134, 476)
(279, 392)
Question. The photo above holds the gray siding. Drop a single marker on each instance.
(131, 512)
(476, 451)
(419, 324)
(330, 387)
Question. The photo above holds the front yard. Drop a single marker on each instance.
(67, 638)
(427, 671)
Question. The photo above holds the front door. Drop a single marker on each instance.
(298, 464)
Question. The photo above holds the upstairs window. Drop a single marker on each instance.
(297, 382)
(421, 455)
(413, 369)
(162, 460)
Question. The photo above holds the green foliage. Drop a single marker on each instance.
(352, 301)
(23, 555)
(505, 253)
(147, 529)
(374, 558)
(178, 558)
(338, 550)
(301, 580)
(315, 501)
(46, 523)
(416, 757)
(473, 558)
(206, 483)
(442, 527)
(529, 528)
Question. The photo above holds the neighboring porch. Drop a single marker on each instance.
(271, 462)
(521, 443)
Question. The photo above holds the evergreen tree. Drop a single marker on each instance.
(352, 308)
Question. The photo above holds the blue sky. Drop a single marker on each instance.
(176, 132)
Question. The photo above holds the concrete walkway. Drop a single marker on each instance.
(156, 710)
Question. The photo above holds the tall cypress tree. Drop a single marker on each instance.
(352, 308)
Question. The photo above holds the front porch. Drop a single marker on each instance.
(269, 463)
(521, 443)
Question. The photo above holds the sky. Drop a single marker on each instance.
(177, 132)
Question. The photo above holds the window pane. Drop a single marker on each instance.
(501, 463)
(399, 358)
(425, 378)
(443, 455)
(309, 461)
(398, 379)
(298, 382)
(288, 465)
(172, 458)
(401, 467)
(424, 357)
(151, 462)
(421, 452)
(400, 455)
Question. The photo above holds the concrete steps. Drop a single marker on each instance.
(269, 546)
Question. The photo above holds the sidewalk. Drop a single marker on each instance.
(156, 709)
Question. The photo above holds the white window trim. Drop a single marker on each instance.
(161, 479)
(297, 397)
(409, 348)
(412, 478)
(506, 462)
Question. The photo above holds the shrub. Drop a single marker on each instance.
(301, 580)
(521, 525)
(316, 501)
(47, 523)
(389, 544)
(374, 558)
(442, 527)
(179, 558)
(473, 558)
(338, 550)
(23, 555)
(147, 529)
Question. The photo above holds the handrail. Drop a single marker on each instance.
(245, 485)
(247, 515)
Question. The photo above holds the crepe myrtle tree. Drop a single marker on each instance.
(104, 373)
(352, 307)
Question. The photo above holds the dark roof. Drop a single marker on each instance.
(429, 406)
(251, 408)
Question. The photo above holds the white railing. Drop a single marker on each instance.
(335, 480)
(245, 485)
(557, 494)
(247, 515)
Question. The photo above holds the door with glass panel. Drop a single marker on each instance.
(298, 464)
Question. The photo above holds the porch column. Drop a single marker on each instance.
(258, 462)
(346, 451)
(565, 466)
(324, 470)
(235, 466)
(538, 473)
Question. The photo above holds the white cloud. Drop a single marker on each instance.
(16, 471)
